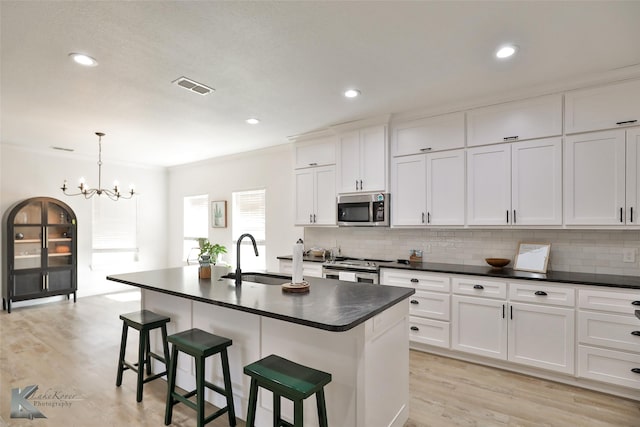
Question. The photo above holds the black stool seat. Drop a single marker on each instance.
(286, 379)
(200, 345)
(143, 321)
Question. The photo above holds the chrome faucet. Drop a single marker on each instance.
(255, 248)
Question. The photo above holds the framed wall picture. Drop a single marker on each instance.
(533, 257)
(219, 214)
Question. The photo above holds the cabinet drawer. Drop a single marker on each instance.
(609, 330)
(430, 304)
(609, 366)
(427, 331)
(415, 279)
(542, 293)
(479, 288)
(614, 302)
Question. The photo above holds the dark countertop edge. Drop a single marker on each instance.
(576, 278)
(323, 326)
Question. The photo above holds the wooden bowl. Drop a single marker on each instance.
(497, 262)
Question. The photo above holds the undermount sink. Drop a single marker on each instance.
(264, 278)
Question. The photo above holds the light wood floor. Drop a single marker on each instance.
(72, 349)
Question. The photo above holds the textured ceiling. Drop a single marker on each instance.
(286, 63)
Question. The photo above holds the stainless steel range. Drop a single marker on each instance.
(353, 270)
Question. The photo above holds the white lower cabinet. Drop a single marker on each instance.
(429, 307)
(311, 269)
(479, 326)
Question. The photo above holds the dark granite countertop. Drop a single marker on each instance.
(610, 280)
(331, 305)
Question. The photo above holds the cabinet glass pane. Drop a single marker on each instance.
(57, 214)
(27, 247)
(29, 214)
(59, 245)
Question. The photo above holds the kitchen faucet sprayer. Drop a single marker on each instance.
(255, 249)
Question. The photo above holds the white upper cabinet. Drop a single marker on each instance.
(431, 134)
(606, 107)
(632, 175)
(316, 152)
(315, 196)
(362, 160)
(594, 176)
(428, 189)
(515, 184)
(513, 121)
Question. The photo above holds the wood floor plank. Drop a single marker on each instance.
(73, 349)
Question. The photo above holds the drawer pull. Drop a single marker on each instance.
(541, 293)
(635, 302)
(413, 301)
(415, 328)
(635, 370)
(636, 333)
(510, 138)
(626, 122)
(414, 280)
(313, 164)
(478, 287)
(425, 149)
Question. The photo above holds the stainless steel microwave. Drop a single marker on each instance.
(363, 210)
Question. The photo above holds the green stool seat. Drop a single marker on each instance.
(285, 378)
(143, 321)
(200, 345)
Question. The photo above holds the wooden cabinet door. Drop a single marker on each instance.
(536, 184)
(431, 134)
(604, 107)
(325, 196)
(318, 152)
(538, 117)
(373, 159)
(408, 206)
(304, 197)
(632, 174)
(445, 188)
(594, 177)
(542, 336)
(349, 162)
(479, 326)
(489, 185)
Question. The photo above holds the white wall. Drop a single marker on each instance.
(270, 168)
(25, 173)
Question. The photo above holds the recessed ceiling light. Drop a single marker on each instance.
(253, 121)
(506, 51)
(83, 59)
(352, 93)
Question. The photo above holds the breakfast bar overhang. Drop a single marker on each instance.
(356, 332)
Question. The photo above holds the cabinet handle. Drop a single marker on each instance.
(636, 333)
(514, 216)
(478, 287)
(423, 217)
(635, 302)
(541, 293)
(360, 184)
(620, 214)
(414, 280)
(415, 328)
(507, 216)
(425, 149)
(635, 370)
(310, 218)
(511, 312)
(627, 122)
(631, 214)
(510, 138)
(503, 311)
(313, 164)
(428, 217)
(356, 184)
(314, 218)
(413, 301)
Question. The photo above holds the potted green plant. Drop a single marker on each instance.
(212, 250)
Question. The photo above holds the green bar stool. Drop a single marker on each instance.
(286, 379)
(143, 321)
(200, 345)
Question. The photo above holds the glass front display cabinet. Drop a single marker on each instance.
(40, 256)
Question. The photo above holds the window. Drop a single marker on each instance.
(248, 216)
(195, 220)
(114, 232)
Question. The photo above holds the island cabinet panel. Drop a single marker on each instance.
(538, 117)
(605, 107)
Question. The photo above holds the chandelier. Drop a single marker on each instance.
(88, 192)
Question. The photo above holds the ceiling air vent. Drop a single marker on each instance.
(193, 86)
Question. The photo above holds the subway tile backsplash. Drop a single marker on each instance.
(585, 251)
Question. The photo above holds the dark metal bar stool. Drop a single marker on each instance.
(143, 321)
(200, 345)
(286, 379)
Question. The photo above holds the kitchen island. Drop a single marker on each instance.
(356, 332)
